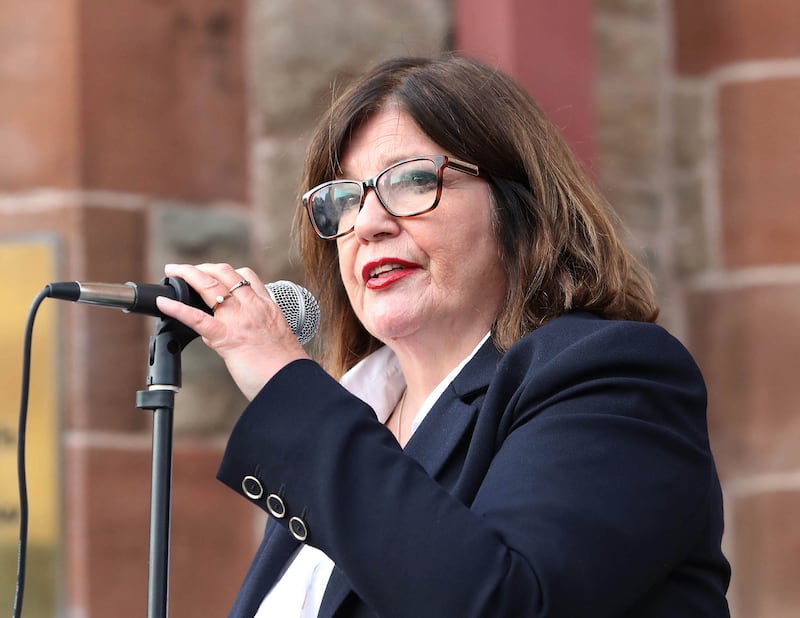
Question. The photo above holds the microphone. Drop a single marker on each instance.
(297, 304)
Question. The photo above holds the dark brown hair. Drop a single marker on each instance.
(557, 237)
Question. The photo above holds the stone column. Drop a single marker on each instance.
(738, 66)
(302, 53)
(548, 48)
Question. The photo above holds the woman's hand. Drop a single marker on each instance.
(248, 330)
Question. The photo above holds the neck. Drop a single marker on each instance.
(424, 368)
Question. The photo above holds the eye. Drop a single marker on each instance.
(413, 177)
(346, 201)
(344, 197)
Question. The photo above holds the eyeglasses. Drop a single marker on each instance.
(405, 189)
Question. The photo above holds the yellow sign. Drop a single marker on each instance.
(25, 267)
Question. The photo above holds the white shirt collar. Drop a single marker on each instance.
(378, 380)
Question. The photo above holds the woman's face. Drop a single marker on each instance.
(434, 279)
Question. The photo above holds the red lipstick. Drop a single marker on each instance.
(382, 273)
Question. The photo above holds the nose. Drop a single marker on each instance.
(373, 221)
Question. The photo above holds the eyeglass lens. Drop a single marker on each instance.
(404, 189)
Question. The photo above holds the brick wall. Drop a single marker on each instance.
(698, 149)
(116, 120)
(741, 61)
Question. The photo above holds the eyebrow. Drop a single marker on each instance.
(384, 163)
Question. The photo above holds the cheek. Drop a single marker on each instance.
(471, 260)
(469, 240)
(346, 259)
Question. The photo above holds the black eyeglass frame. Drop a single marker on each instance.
(440, 161)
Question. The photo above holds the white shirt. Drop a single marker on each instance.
(377, 380)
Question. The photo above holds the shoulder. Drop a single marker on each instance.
(585, 339)
(578, 327)
(580, 363)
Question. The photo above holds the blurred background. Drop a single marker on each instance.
(139, 132)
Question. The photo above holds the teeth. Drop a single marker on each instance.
(385, 268)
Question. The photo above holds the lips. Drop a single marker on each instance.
(386, 271)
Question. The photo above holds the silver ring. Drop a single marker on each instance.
(237, 285)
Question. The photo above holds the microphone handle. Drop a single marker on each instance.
(130, 297)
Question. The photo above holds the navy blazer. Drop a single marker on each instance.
(571, 476)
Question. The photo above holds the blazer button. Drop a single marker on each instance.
(276, 506)
(298, 528)
(252, 488)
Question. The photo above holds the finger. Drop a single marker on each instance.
(241, 283)
(224, 274)
(194, 318)
(205, 279)
(256, 284)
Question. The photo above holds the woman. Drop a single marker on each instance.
(501, 429)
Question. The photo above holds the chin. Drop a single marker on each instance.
(390, 329)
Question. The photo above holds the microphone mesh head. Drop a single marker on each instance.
(298, 306)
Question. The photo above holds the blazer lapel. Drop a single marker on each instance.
(433, 442)
(441, 431)
(454, 413)
(430, 445)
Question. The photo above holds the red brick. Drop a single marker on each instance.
(765, 545)
(760, 159)
(214, 535)
(111, 350)
(118, 499)
(713, 33)
(213, 532)
(746, 343)
(38, 99)
(548, 47)
(163, 98)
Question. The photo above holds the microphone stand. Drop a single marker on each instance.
(163, 381)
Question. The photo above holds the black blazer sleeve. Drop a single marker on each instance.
(583, 484)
